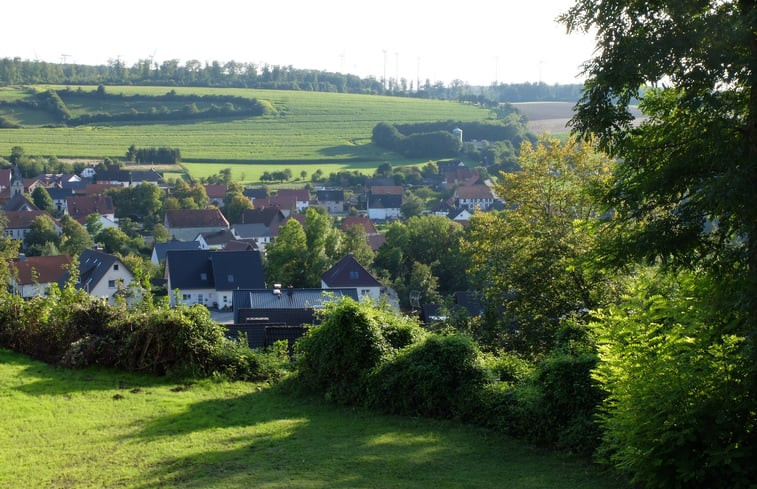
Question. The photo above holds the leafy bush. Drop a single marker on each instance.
(436, 377)
(681, 409)
(335, 357)
(73, 329)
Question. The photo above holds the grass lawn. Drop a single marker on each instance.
(96, 428)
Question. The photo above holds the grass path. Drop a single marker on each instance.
(95, 428)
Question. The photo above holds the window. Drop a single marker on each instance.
(115, 266)
(365, 292)
(231, 279)
(111, 284)
(354, 275)
(186, 297)
(203, 276)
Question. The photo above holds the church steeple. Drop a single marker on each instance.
(17, 182)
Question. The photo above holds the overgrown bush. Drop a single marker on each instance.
(335, 357)
(437, 377)
(72, 329)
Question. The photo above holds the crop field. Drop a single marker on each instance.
(553, 117)
(311, 130)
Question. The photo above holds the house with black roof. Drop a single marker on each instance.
(160, 249)
(384, 202)
(332, 200)
(349, 273)
(127, 178)
(101, 275)
(209, 277)
(268, 315)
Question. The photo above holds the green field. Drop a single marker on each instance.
(311, 130)
(96, 428)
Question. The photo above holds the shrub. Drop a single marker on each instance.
(437, 377)
(334, 357)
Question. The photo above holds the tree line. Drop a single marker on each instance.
(17, 71)
(54, 103)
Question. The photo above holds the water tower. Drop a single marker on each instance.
(458, 134)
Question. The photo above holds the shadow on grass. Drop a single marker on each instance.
(41, 379)
(276, 440)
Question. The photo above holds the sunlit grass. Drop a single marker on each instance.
(95, 428)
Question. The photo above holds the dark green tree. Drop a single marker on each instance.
(285, 257)
(685, 191)
(41, 198)
(74, 237)
(42, 231)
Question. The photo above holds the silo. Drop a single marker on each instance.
(458, 133)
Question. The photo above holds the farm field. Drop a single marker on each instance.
(311, 130)
(98, 428)
(552, 117)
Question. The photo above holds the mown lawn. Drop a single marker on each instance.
(96, 428)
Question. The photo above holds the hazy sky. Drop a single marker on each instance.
(477, 41)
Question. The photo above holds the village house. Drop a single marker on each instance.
(332, 200)
(268, 315)
(80, 207)
(160, 249)
(34, 275)
(349, 273)
(384, 202)
(209, 277)
(19, 223)
(216, 194)
(473, 197)
(102, 275)
(186, 224)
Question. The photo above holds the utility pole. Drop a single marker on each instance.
(384, 80)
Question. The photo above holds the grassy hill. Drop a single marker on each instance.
(311, 130)
(96, 428)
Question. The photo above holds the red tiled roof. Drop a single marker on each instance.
(216, 191)
(195, 218)
(365, 222)
(386, 190)
(46, 269)
(80, 206)
(22, 219)
(474, 192)
(299, 194)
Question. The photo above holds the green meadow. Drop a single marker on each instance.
(99, 428)
(310, 130)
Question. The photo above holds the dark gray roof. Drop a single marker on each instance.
(60, 193)
(329, 195)
(220, 237)
(219, 270)
(162, 248)
(255, 230)
(19, 202)
(289, 298)
(128, 176)
(268, 216)
(255, 193)
(93, 265)
(385, 202)
(349, 273)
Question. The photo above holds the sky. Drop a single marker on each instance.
(476, 41)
